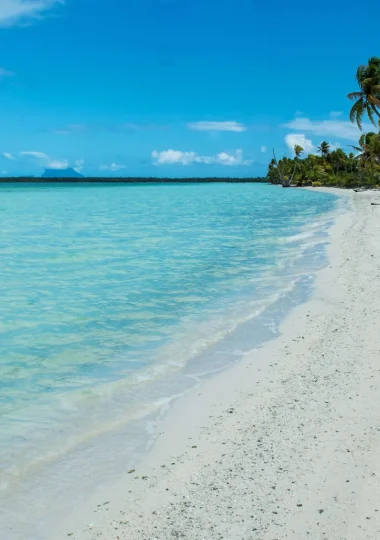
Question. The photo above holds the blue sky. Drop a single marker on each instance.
(175, 87)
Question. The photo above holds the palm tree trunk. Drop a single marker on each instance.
(294, 171)
(280, 175)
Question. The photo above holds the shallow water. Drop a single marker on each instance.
(111, 293)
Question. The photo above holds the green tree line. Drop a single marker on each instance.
(360, 167)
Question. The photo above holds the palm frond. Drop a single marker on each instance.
(362, 139)
(373, 99)
(359, 116)
(356, 112)
(367, 83)
(356, 148)
(369, 137)
(361, 74)
(374, 62)
(354, 96)
(370, 115)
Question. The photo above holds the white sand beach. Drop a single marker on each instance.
(285, 444)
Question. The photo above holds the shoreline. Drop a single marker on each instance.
(218, 469)
(50, 487)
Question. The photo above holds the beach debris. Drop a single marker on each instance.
(177, 534)
(194, 446)
(131, 471)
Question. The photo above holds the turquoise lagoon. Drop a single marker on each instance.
(117, 298)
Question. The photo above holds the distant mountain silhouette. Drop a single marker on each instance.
(61, 173)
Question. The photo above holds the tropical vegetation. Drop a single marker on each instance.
(358, 167)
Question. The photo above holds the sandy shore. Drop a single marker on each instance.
(284, 445)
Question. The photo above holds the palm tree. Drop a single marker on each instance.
(298, 150)
(351, 162)
(374, 151)
(368, 98)
(365, 139)
(317, 173)
(324, 149)
(338, 160)
(370, 155)
(369, 148)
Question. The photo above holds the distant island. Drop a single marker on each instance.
(62, 173)
(52, 176)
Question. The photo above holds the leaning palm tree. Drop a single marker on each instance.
(324, 149)
(367, 100)
(298, 150)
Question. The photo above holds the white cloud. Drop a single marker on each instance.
(5, 72)
(170, 157)
(112, 167)
(328, 128)
(57, 164)
(227, 159)
(79, 164)
(8, 156)
(38, 155)
(52, 163)
(14, 11)
(173, 156)
(292, 139)
(217, 126)
(263, 149)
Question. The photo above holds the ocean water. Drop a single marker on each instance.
(117, 298)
